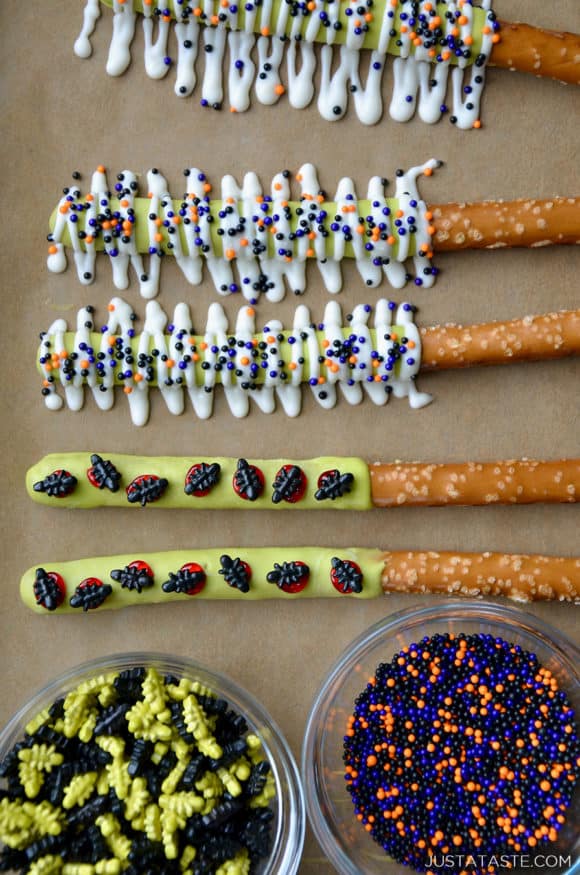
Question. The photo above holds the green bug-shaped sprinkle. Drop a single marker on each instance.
(143, 724)
(137, 799)
(33, 762)
(78, 869)
(159, 752)
(39, 720)
(240, 865)
(152, 825)
(108, 867)
(181, 749)
(111, 745)
(182, 805)
(169, 827)
(230, 782)
(79, 790)
(119, 778)
(49, 865)
(241, 769)
(77, 709)
(179, 692)
(111, 832)
(210, 786)
(197, 723)
(170, 783)
(154, 694)
(187, 857)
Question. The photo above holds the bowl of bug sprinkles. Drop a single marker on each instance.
(147, 763)
(446, 739)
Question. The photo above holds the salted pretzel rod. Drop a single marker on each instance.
(269, 238)
(273, 363)
(430, 40)
(89, 479)
(291, 572)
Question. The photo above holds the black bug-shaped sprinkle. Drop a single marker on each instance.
(290, 577)
(202, 478)
(146, 489)
(49, 589)
(289, 484)
(219, 815)
(12, 860)
(346, 576)
(135, 576)
(332, 485)
(90, 594)
(248, 481)
(103, 474)
(257, 780)
(230, 752)
(190, 579)
(57, 484)
(112, 719)
(255, 834)
(139, 758)
(235, 572)
(195, 767)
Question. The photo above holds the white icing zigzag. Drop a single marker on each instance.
(248, 366)
(431, 37)
(382, 232)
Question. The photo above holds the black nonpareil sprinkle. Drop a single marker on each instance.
(462, 744)
(57, 484)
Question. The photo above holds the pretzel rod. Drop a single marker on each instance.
(270, 237)
(527, 49)
(110, 582)
(523, 578)
(273, 363)
(430, 41)
(88, 480)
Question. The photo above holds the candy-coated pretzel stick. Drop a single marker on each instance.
(291, 572)
(431, 42)
(274, 363)
(88, 480)
(270, 237)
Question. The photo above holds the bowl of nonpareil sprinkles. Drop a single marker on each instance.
(445, 740)
(144, 763)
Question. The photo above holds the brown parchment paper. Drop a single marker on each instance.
(60, 114)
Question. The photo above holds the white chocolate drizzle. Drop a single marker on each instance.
(266, 237)
(249, 366)
(430, 37)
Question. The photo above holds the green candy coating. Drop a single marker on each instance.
(371, 39)
(175, 468)
(260, 559)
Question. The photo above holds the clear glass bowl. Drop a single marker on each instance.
(344, 841)
(288, 806)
